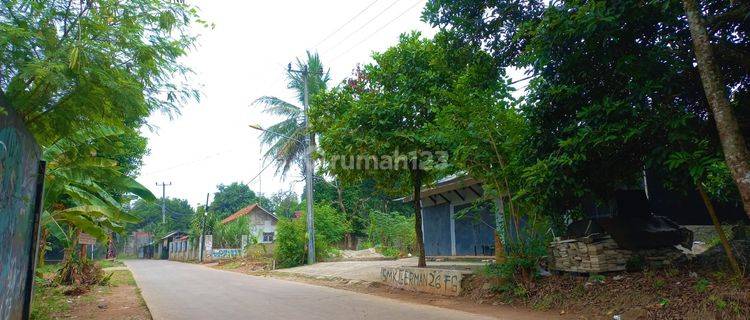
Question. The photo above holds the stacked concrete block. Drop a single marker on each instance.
(602, 254)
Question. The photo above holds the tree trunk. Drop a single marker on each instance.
(340, 196)
(416, 176)
(42, 245)
(499, 231)
(733, 144)
(720, 231)
(111, 249)
(67, 271)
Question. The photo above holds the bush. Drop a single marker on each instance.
(330, 224)
(230, 235)
(393, 233)
(291, 236)
(290, 243)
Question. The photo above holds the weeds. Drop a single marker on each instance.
(701, 285)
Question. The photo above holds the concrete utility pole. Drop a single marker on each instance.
(308, 171)
(163, 201)
(203, 228)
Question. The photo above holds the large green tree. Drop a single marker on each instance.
(232, 197)
(391, 107)
(83, 76)
(356, 201)
(614, 87)
(283, 203)
(178, 216)
(69, 64)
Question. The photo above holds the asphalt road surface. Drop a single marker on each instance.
(174, 290)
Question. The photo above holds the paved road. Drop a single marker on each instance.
(174, 290)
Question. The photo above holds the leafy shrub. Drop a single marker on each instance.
(291, 236)
(521, 265)
(392, 232)
(290, 243)
(330, 224)
(702, 285)
(390, 251)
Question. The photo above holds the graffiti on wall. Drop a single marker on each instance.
(437, 281)
(226, 253)
(19, 173)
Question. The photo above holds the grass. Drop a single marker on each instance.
(231, 265)
(110, 263)
(48, 303)
(123, 277)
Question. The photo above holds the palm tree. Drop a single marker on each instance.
(285, 138)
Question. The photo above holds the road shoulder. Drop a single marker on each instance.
(461, 303)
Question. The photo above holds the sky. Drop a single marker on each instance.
(245, 57)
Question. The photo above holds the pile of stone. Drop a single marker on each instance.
(600, 253)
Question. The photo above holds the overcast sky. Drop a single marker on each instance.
(245, 57)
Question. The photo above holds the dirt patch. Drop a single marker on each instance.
(462, 303)
(673, 293)
(243, 265)
(360, 255)
(120, 299)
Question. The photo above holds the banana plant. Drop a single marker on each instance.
(75, 195)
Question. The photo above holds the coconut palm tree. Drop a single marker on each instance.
(285, 138)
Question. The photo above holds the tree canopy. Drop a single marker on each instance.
(233, 197)
(383, 124)
(66, 65)
(614, 88)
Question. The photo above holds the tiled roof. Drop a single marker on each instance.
(245, 211)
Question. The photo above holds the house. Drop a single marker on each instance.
(457, 219)
(160, 249)
(136, 240)
(261, 225)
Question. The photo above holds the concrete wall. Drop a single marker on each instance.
(226, 253)
(189, 250)
(261, 223)
(435, 281)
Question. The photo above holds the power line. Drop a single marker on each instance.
(261, 171)
(193, 161)
(376, 31)
(363, 26)
(346, 23)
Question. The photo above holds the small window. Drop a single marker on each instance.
(267, 236)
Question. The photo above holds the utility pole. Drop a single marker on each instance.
(163, 201)
(203, 228)
(308, 170)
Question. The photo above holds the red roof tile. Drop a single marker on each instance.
(245, 211)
